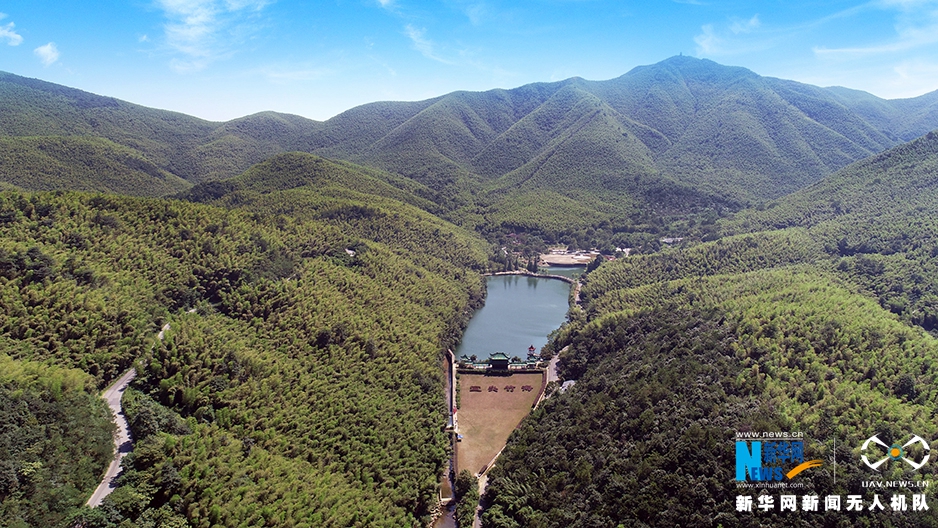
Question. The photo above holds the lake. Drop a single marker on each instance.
(519, 312)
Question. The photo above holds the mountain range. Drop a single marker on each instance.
(676, 137)
(816, 313)
(309, 276)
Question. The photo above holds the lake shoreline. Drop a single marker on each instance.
(531, 274)
(493, 406)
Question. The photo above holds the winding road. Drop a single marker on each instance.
(122, 441)
(122, 444)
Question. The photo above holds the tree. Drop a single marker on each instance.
(466, 489)
(464, 482)
(595, 263)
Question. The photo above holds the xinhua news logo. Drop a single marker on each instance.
(780, 456)
(915, 452)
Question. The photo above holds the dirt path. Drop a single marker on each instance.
(122, 444)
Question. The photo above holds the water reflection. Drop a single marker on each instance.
(519, 311)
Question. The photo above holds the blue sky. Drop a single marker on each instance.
(221, 59)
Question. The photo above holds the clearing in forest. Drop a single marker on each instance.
(488, 414)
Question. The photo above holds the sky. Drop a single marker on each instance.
(223, 59)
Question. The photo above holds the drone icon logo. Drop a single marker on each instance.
(896, 452)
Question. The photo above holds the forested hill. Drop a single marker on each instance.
(183, 146)
(819, 327)
(282, 172)
(681, 135)
(876, 222)
(299, 384)
(721, 129)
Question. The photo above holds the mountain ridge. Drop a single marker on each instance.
(682, 136)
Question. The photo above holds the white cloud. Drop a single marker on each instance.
(915, 23)
(386, 3)
(902, 4)
(745, 26)
(915, 76)
(391, 71)
(739, 36)
(238, 5)
(476, 13)
(707, 41)
(205, 30)
(423, 44)
(9, 34)
(881, 76)
(48, 54)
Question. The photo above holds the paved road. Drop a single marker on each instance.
(122, 444)
(122, 441)
(552, 374)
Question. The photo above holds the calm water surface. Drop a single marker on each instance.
(519, 312)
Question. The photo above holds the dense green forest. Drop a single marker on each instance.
(303, 359)
(646, 435)
(311, 274)
(55, 441)
(813, 319)
(669, 371)
(82, 164)
(875, 224)
(617, 163)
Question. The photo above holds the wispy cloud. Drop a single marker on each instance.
(203, 31)
(913, 77)
(915, 23)
(391, 71)
(729, 39)
(48, 54)
(421, 43)
(498, 14)
(286, 74)
(745, 26)
(477, 12)
(707, 40)
(387, 4)
(9, 34)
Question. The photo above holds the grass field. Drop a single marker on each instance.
(487, 418)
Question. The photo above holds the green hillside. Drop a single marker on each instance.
(904, 119)
(55, 440)
(36, 108)
(310, 298)
(293, 170)
(725, 130)
(303, 357)
(236, 145)
(82, 164)
(185, 147)
(875, 221)
(681, 140)
(667, 373)
(819, 327)
(354, 199)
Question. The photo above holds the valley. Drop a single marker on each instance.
(313, 275)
